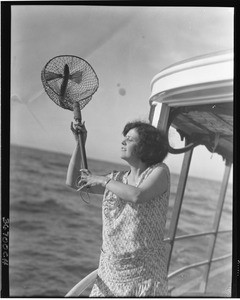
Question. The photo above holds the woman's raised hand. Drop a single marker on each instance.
(78, 129)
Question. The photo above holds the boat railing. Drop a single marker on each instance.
(82, 285)
(201, 263)
(186, 236)
(216, 222)
(198, 264)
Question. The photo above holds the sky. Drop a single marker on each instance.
(126, 46)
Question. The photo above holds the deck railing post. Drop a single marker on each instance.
(159, 114)
(217, 218)
(178, 200)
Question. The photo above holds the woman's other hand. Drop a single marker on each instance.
(87, 179)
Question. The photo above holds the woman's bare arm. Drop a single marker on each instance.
(75, 164)
(74, 167)
(154, 185)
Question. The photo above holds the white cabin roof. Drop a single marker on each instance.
(199, 91)
(196, 74)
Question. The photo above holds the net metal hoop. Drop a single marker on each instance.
(83, 82)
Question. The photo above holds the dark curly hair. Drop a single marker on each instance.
(152, 147)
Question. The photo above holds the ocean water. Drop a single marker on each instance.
(55, 237)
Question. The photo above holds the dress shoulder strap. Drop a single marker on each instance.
(149, 170)
(117, 175)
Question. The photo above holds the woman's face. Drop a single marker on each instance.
(129, 145)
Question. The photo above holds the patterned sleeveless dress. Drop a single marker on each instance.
(133, 260)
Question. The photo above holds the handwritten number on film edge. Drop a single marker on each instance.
(5, 241)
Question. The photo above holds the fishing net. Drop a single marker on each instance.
(68, 79)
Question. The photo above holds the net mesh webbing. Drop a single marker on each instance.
(81, 84)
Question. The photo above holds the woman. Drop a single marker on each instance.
(133, 260)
